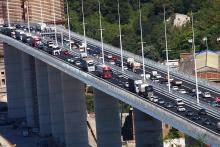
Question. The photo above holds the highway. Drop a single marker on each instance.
(168, 97)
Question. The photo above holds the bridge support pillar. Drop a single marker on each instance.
(56, 104)
(14, 78)
(30, 91)
(148, 130)
(108, 126)
(43, 97)
(74, 102)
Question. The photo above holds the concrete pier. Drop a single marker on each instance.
(43, 97)
(56, 104)
(30, 91)
(74, 102)
(148, 130)
(108, 126)
(14, 78)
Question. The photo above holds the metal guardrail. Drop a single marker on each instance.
(151, 63)
(177, 121)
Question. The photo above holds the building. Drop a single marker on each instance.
(180, 20)
(18, 12)
(208, 65)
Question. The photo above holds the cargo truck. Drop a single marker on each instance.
(134, 84)
(34, 40)
(88, 64)
(135, 66)
(149, 91)
(177, 83)
(130, 61)
(142, 88)
(104, 71)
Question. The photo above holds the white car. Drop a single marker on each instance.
(71, 60)
(206, 95)
(179, 102)
(181, 109)
(175, 87)
(183, 91)
(126, 84)
(125, 68)
(194, 91)
(77, 62)
(158, 76)
(154, 99)
(109, 56)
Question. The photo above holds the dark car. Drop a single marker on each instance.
(189, 113)
(202, 112)
(206, 121)
(195, 117)
(168, 105)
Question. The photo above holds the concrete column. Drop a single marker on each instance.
(148, 130)
(108, 126)
(56, 104)
(74, 102)
(43, 97)
(30, 91)
(14, 79)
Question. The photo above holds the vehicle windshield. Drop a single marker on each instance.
(90, 64)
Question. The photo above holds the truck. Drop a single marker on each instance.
(177, 83)
(88, 64)
(135, 66)
(104, 71)
(82, 47)
(9, 31)
(26, 37)
(130, 61)
(134, 84)
(34, 40)
(142, 88)
(206, 95)
(218, 125)
(18, 34)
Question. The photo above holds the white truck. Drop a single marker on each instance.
(83, 55)
(88, 64)
(130, 61)
(142, 87)
(206, 95)
(135, 66)
(134, 84)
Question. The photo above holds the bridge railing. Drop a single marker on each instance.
(154, 65)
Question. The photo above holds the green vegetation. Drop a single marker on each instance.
(206, 16)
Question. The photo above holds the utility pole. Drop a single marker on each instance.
(9, 23)
(68, 17)
(28, 16)
(84, 27)
(41, 13)
(54, 21)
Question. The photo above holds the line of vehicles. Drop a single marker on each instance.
(87, 64)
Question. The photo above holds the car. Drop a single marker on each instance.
(112, 62)
(206, 121)
(194, 91)
(195, 117)
(120, 75)
(109, 56)
(66, 52)
(181, 109)
(125, 68)
(154, 98)
(77, 62)
(217, 99)
(183, 91)
(175, 87)
(189, 113)
(179, 102)
(202, 112)
(76, 57)
(206, 95)
(168, 105)
(160, 101)
(215, 104)
(126, 84)
(71, 60)
(218, 125)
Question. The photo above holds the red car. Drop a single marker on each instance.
(66, 52)
(217, 99)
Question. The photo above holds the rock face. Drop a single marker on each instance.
(180, 20)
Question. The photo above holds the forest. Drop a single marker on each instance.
(206, 15)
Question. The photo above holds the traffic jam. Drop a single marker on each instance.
(89, 59)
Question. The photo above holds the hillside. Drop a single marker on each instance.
(206, 21)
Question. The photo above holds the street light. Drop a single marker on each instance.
(195, 62)
(41, 12)
(9, 23)
(101, 29)
(167, 54)
(119, 28)
(68, 19)
(54, 20)
(84, 27)
(142, 43)
(28, 16)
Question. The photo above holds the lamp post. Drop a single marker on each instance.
(54, 21)
(84, 27)
(68, 19)
(195, 62)
(142, 43)
(101, 29)
(120, 36)
(8, 14)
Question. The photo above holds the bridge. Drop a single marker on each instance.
(47, 90)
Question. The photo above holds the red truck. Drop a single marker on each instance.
(104, 71)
